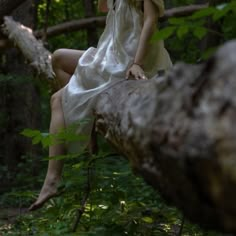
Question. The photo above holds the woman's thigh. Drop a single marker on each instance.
(66, 59)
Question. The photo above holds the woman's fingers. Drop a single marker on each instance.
(140, 76)
(128, 74)
(136, 74)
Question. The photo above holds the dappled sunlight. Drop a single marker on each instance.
(26, 28)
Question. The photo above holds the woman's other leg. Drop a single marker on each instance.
(64, 62)
(54, 171)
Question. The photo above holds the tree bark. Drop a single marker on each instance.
(20, 100)
(92, 37)
(179, 134)
(33, 50)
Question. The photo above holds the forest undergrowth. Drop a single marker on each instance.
(99, 195)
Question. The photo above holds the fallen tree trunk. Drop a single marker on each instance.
(179, 134)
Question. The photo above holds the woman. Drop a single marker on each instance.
(124, 51)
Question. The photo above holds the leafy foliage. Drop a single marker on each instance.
(196, 23)
(119, 203)
(191, 30)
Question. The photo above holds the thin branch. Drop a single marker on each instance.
(183, 11)
(181, 226)
(81, 210)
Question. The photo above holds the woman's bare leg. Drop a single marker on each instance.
(64, 62)
(54, 171)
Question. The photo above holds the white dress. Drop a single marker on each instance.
(107, 63)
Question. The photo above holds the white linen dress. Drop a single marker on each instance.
(115, 52)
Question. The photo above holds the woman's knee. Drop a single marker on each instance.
(57, 58)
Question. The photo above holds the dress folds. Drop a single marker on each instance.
(115, 52)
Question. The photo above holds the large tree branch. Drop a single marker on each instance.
(32, 49)
(73, 25)
(179, 134)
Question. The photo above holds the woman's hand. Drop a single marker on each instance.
(135, 72)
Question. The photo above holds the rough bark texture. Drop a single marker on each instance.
(33, 50)
(178, 133)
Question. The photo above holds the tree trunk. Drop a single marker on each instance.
(179, 134)
(92, 37)
(20, 100)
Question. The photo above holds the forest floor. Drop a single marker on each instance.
(8, 216)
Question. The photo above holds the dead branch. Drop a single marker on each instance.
(32, 49)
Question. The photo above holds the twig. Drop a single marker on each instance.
(81, 210)
(181, 226)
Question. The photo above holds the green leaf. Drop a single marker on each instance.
(203, 13)
(232, 6)
(30, 133)
(182, 31)
(164, 33)
(47, 141)
(208, 53)
(221, 6)
(176, 21)
(221, 11)
(36, 139)
(199, 32)
(78, 165)
(148, 220)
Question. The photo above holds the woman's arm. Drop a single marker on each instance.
(149, 25)
(102, 6)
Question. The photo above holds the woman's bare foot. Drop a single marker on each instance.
(48, 191)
